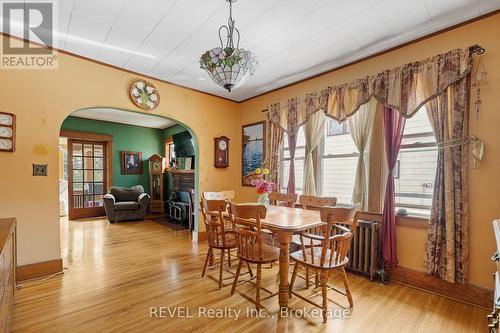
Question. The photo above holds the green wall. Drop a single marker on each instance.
(149, 141)
(167, 132)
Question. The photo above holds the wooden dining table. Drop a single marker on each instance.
(285, 221)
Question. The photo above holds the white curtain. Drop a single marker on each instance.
(361, 126)
(314, 130)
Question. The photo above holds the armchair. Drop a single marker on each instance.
(125, 204)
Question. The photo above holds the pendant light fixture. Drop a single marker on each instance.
(228, 65)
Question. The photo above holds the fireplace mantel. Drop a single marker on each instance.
(182, 180)
(179, 171)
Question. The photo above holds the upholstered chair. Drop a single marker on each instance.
(126, 204)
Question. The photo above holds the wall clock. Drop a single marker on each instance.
(221, 152)
(144, 95)
(7, 132)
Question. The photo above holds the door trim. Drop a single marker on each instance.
(94, 137)
(88, 136)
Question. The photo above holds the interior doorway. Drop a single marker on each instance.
(87, 173)
(93, 144)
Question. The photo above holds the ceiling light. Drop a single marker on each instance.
(227, 65)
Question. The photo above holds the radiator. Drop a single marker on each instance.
(364, 253)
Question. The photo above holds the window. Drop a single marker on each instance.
(338, 156)
(336, 165)
(416, 166)
(169, 150)
(338, 159)
(333, 127)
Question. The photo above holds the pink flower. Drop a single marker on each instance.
(263, 186)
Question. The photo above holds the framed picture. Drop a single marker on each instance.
(188, 164)
(181, 163)
(130, 162)
(253, 150)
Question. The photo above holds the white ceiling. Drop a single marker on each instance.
(293, 39)
(117, 116)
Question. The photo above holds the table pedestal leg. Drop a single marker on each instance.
(284, 238)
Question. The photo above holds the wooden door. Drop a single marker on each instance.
(87, 181)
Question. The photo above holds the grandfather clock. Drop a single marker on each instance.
(157, 166)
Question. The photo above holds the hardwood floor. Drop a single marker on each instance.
(117, 272)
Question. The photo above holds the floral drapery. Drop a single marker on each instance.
(399, 88)
(447, 235)
(442, 83)
(275, 138)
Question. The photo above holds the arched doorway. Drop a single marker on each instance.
(94, 144)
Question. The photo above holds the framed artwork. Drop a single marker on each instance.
(131, 162)
(144, 95)
(188, 164)
(253, 150)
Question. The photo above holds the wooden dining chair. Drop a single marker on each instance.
(247, 226)
(222, 195)
(283, 199)
(328, 258)
(311, 202)
(218, 236)
(346, 216)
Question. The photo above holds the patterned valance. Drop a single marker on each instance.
(405, 88)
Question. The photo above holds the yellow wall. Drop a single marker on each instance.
(42, 99)
(484, 193)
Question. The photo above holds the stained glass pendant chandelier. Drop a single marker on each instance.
(227, 65)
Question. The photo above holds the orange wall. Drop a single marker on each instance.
(484, 193)
(42, 99)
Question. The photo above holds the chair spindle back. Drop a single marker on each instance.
(246, 220)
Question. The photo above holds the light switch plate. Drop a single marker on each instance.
(40, 169)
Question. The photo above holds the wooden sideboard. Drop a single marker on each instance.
(7, 271)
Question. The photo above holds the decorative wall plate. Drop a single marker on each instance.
(144, 95)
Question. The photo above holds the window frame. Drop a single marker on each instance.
(416, 145)
(321, 156)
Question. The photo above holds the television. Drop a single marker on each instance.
(183, 144)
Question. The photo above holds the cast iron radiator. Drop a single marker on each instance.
(364, 253)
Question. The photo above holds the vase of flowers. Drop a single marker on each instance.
(263, 187)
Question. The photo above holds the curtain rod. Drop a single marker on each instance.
(477, 49)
